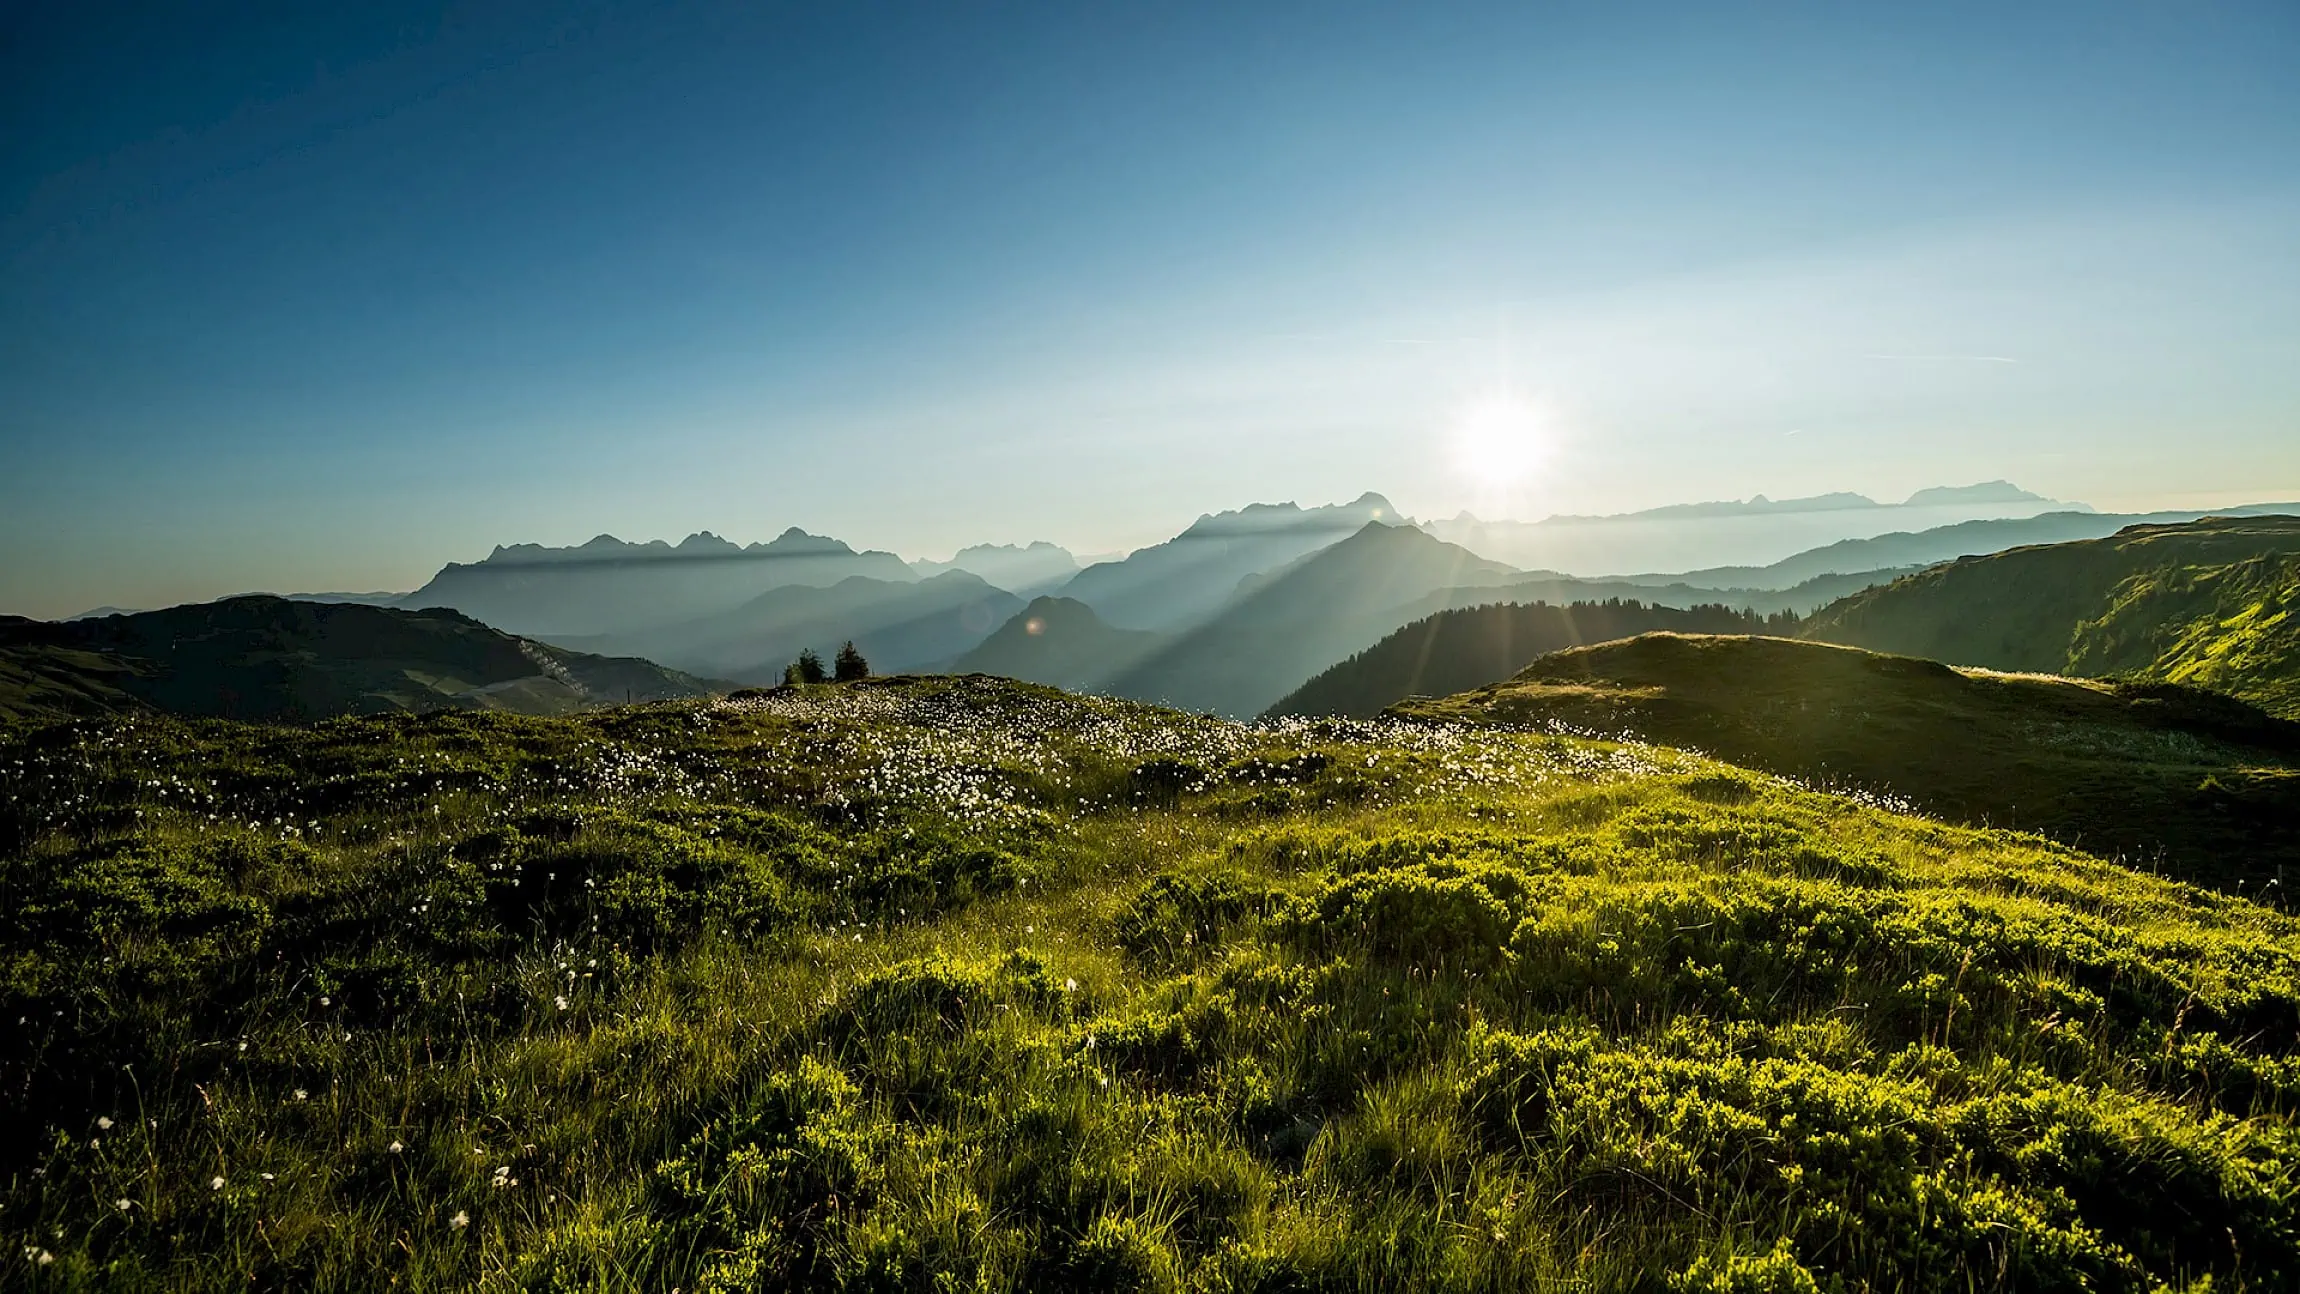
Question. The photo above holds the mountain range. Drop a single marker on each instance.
(1756, 530)
(608, 586)
(1243, 608)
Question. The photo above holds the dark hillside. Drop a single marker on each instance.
(2214, 603)
(1059, 642)
(2159, 774)
(900, 625)
(1283, 627)
(1454, 651)
(1182, 581)
(270, 658)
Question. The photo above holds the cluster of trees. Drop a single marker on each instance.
(846, 667)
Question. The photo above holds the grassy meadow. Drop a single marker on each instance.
(954, 984)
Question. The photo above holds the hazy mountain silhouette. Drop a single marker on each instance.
(1175, 584)
(2214, 603)
(1559, 590)
(1456, 650)
(899, 626)
(1023, 570)
(1060, 642)
(1281, 628)
(1755, 530)
(1942, 544)
(609, 587)
(269, 658)
(2154, 772)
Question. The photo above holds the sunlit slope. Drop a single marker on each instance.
(961, 984)
(2211, 602)
(1454, 651)
(2202, 785)
(277, 659)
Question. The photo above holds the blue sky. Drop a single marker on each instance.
(291, 298)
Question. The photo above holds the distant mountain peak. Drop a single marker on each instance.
(703, 541)
(1985, 492)
(1259, 518)
(795, 540)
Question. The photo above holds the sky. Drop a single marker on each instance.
(302, 297)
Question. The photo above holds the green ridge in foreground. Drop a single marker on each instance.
(282, 660)
(2203, 786)
(965, 985)
(2213, 603)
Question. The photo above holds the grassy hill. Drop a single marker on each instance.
(2210, 602)
(276, 659)
(1454, 651)
(2205, 787)
(957, 984)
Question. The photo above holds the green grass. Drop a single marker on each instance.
(964, 985)
(2208, 603)
(2163, 776)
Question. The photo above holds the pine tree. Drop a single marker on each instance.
(808, 668)
(850, 664)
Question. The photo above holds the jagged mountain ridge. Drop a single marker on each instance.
(610, 587)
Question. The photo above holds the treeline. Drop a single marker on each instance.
(1468, 647)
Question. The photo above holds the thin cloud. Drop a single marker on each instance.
(1972, 359)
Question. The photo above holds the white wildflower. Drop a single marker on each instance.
(215, 1183)
(104, 1122)
(460, 1220)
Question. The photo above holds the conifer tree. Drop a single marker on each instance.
(808, 668)
(850, 664)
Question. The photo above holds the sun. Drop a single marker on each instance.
(1500, 438)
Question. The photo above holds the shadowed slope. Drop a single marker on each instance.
(899, 625)
(1283, 627)
(1060, 642)
(2209, 785)
(1180, 582)
(2212, 602)
(1454, 651)
(271, 658)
